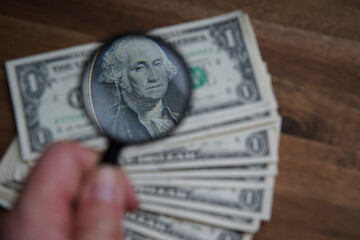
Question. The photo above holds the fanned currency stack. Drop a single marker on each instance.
(213, 178)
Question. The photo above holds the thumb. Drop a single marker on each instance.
(101, 205)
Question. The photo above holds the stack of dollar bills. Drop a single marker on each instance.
(213, 178)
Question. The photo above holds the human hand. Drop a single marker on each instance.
(67, 196)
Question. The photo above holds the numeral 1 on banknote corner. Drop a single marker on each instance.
(31, 81)
(257, 143)
(229, 38)
(251, 199)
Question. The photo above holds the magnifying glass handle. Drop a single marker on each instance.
(112, 153)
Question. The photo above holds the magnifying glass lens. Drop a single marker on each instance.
(136, 89)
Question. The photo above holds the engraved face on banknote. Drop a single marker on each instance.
(133, 90)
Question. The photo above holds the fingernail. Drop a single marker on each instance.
(105, 186)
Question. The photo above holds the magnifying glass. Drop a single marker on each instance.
(136, 89)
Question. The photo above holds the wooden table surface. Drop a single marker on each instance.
(313, 53)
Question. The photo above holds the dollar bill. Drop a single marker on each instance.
(243, 202)
(231, 147)
(210, 182)
(223, 173)
(161, 227)
(46, 96)
(235, 223)
(265, 118)
(229, 81)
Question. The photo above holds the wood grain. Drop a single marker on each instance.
(312, 49)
